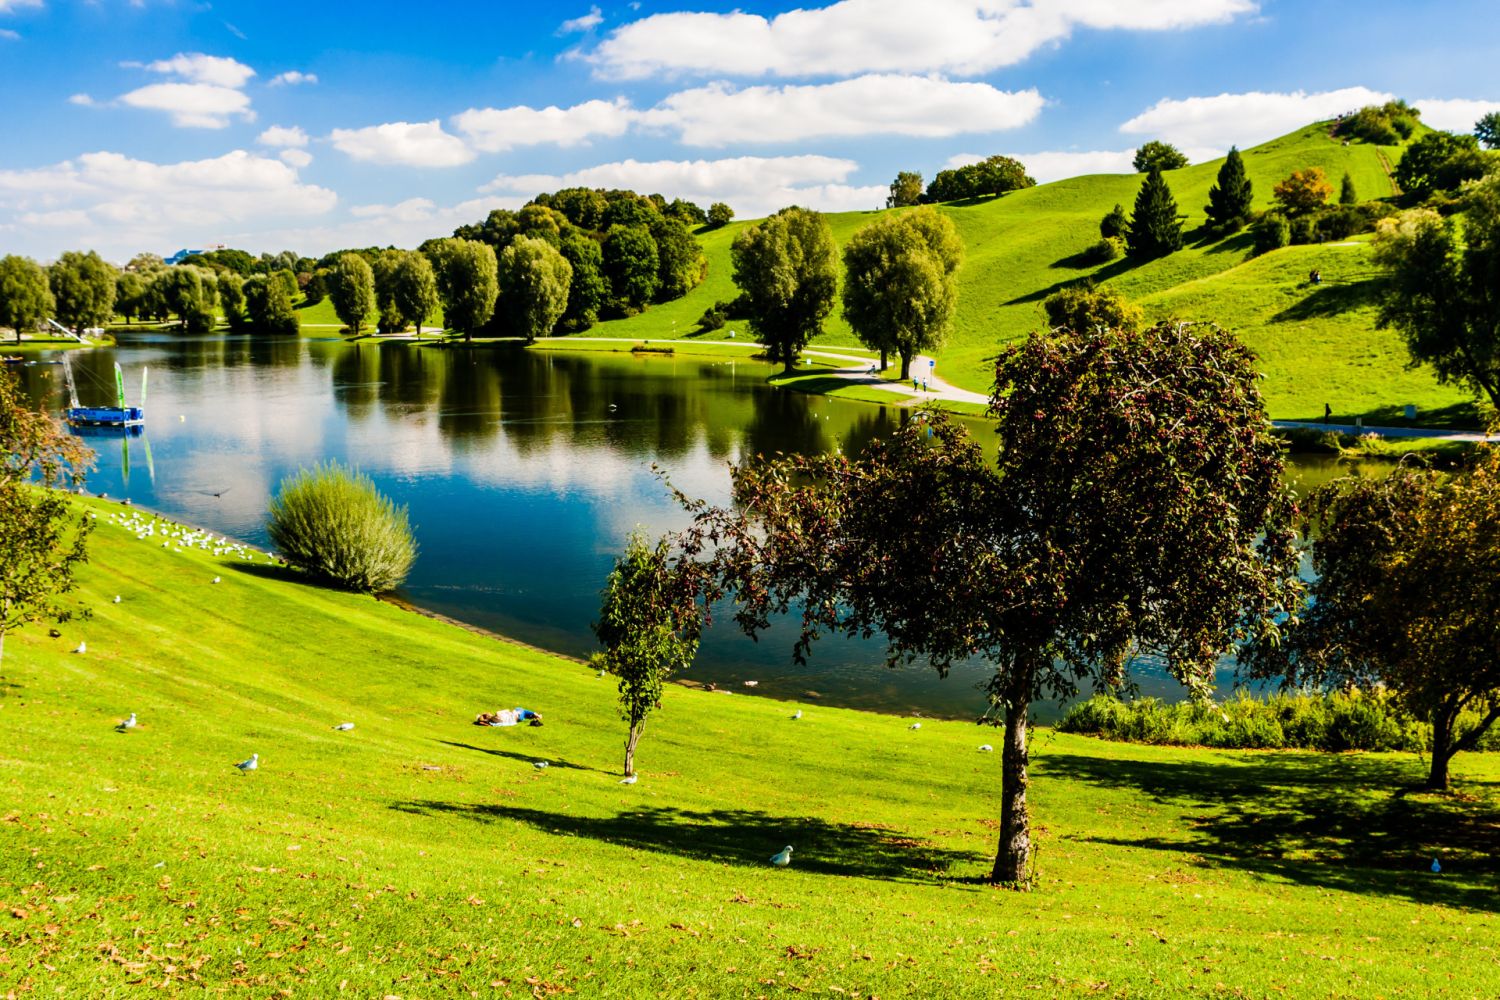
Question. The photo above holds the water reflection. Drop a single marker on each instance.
(523, 472)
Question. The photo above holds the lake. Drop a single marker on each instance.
(524, 471)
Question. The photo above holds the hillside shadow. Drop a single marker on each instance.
(1335, 821)
(1111, 270)
(1330, 299)
(269, 571)
(1240, 242)
(732, 836)
(1457, 416)
(527, 758)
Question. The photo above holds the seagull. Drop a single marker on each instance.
(540, 765)
(797, 714)
(1436, 868)
(83, 647)
(216, 579)
(782, 858)
(344, 727)
(249, 765)
(915, 725)
(116, 600)
(629, 779)
(986, 748)
(129, 723)
(751, 684)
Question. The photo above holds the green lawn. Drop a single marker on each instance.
(420, 856)
(1318, 344)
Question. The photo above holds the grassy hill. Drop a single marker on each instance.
(1319, 344)
(419, 856)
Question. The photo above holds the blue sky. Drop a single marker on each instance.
(147, 125)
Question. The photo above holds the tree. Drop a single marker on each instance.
(1229, 199)
(687, 212)
(1382, 124)
(42, 536)
(1487, 130)
(787, 269)
(534, 279)
(649, 625)
(190, 293)
(1347, 194)
(25, 298)
(467, 283)
(1136, 506)
(1439, 161)
(1158, 155)
(719, 214)
(1155, 227)
(906, 190)
(1407, 595)
(83, 289)
(351, 287)
(632, 266)
(414, 289)
(900, 288)
(332, 523)
(1114, 225)
(130, 290)
(1084, 307)
(680, 264)
(232, 300)
(1271, 231)
(1441, 295)
(268, 307)
(588, 290)
(389, 318)
(1303, 191)
(990, 177)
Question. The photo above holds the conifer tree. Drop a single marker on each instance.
(1229, 199)
(1347, 194)
(1155, 226)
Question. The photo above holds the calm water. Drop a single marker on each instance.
(523, 472)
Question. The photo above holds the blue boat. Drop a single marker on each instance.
(120, 415)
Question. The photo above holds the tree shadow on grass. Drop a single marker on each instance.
(1111, 270)
(1335, 821)
(529, 758)
(732, 836)
(1331, 299)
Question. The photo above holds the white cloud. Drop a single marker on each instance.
(281, 135)
(856, 36)
(292, 78)
(192, 105)
(10, 36)
(417, 144)
(752, 185)
(586, 22)
(195, 67)
(120, 204)
(1454, 114)
(6, 6)
(1057, 165)
(494, 130)
(921, 106)
(295, 157)
(1244, 119)
(82, 100)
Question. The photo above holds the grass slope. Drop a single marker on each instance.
(1318, 347)
(420, 856)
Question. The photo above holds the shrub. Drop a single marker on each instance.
(1114, 224)
(1303, 230)
(333, 524)
(1108, 249)
(714, 317)
(1383, 124)
(1271, 232)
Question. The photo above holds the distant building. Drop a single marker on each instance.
(182, 255)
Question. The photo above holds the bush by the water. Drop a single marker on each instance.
(1356, 720)
(333, 523)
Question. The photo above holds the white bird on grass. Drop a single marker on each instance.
(249, 765)
(129, 723)
(797, 714)
(344, 727)
(216, 579)
(116, 600)
(540, 765)
(83, 647)
(915, 725)
(782, 858)
(629, 779)
(986, 748)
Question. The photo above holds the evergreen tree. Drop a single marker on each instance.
(1347, 194)
(1114, 224)
(1155, 226)
(1229, 199)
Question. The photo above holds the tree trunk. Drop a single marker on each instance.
(905, 365)
(1442, 749)
(884, 361)
(630, 742)
(1013, 857)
